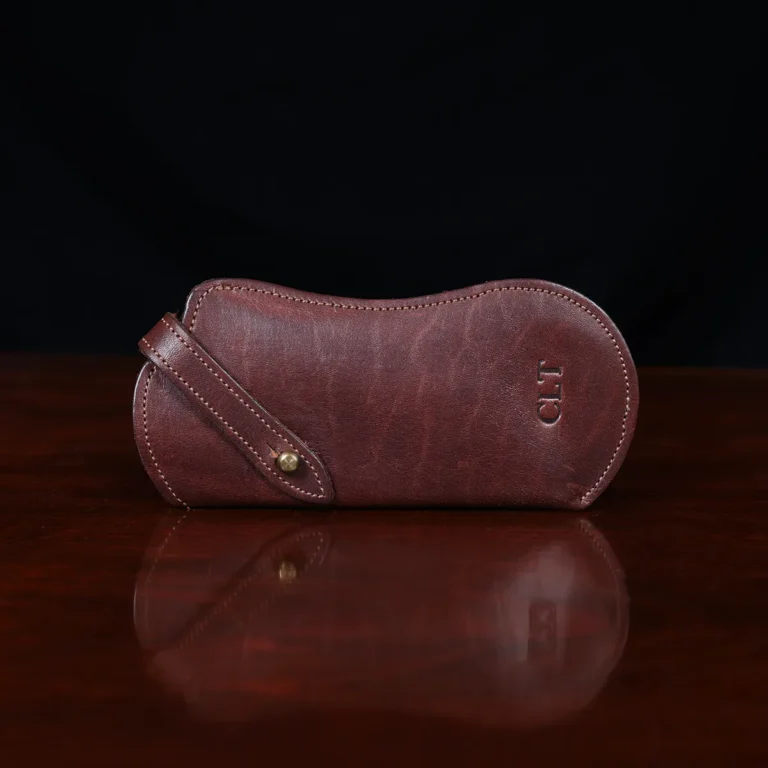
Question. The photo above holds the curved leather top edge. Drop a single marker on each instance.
(198, 293)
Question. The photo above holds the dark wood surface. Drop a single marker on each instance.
(636, 634)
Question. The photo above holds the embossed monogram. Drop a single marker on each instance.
(550, 393)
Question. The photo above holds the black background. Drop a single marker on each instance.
(385, 150)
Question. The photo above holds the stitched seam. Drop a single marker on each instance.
(227, 424)
(163, 545)
(596, 539)
(149, 445)
(498, 289)
(245, 403)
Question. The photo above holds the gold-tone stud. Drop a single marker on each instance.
(288, 461)
(287, 572)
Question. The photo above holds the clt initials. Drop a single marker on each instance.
(550, 393)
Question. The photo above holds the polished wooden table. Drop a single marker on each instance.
(134, 634)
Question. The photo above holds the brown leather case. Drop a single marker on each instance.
(511, 393)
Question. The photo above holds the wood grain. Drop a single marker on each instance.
(634, 635)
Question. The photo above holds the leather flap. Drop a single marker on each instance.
(244, 421)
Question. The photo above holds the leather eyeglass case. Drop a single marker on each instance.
(516, 393)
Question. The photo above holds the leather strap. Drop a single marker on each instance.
(257, 434)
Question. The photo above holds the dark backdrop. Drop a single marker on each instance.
(385, 150)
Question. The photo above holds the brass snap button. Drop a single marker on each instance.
(288, 462)
(287, 572)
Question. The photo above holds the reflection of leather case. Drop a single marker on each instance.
(512, 393)
(517, 623)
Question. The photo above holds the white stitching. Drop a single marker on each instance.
(598, 543)
(255, 413)
(497, 289)
(228, 425)
(149, 446)
(163, 545)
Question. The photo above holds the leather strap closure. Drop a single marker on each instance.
(257, 434)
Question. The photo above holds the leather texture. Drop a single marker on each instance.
(516, 393)
(259, 436)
